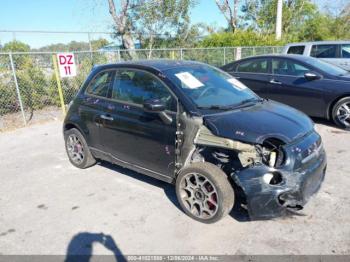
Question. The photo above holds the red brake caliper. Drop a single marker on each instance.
(209, 188)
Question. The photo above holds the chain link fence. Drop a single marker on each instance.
(28, 87)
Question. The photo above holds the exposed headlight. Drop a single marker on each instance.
(272, 152)
(273, 158)
(267, 178)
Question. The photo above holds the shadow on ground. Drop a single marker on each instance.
(328, 123)
(238, 213)
(80, 248)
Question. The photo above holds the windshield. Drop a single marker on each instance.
(326, 67)
(209, 87)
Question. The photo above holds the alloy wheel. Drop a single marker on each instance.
(75, 149)
(199, 195)
(343, 114)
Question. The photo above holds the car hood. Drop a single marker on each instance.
(253, 124)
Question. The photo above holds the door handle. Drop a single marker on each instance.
(273, 81)
(109, 118)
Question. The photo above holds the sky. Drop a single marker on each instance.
(81, 15)
(74, 15)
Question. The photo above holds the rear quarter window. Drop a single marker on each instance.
(230, 67)
(345, 51)
(296, 50)
(324, 51)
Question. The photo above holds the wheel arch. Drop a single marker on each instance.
(333, 102)
(70, 125)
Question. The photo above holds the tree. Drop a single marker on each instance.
(240, 38)
(162, 18)
(150, 20)
(229, 10)
(99, 43)
(260, 15)
(16, 46)
(31, 79)
(22, 60)
(123, 23)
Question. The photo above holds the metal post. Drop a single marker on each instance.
(17, 89)
(119, 55)
(224, 55)
(60, 91)
(172, 54)
(90, 47)
(279, 19)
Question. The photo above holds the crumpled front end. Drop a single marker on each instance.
(271, 191)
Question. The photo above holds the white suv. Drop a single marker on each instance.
(334, 52)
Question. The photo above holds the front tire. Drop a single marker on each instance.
(341, 113)
(77, 149)
(204, 192)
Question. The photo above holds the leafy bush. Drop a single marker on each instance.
(8, 97)
(239, 38)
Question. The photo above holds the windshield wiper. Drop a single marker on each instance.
(228, 107)
(214, 107)
(247, 101)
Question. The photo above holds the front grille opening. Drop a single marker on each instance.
(274, 178)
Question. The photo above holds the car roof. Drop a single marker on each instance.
(298, 57)
(320, 43)
(158, 64)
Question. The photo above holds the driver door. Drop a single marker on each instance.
(133, 135)
(289, 86)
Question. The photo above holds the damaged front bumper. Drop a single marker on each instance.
(292, 184)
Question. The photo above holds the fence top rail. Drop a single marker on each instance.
(55, 32)
(136, 50)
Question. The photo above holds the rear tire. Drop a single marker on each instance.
(341, 113)
(77, 149)
(204, 192)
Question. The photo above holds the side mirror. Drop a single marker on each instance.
(156, 106)
(310, 76)
(153, 105)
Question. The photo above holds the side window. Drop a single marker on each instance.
(345, 51)
(288, 67)
(324, 51)
(253, 66)
(138, 86)
(100, 84)
(296, 50)
(230, 67)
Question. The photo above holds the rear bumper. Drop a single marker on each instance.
(300, 180)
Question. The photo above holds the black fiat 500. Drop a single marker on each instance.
(195, 126)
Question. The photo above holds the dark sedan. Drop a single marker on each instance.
(315, 87)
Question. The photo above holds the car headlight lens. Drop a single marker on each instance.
(273, 158)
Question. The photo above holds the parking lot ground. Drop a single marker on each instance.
(47, 206)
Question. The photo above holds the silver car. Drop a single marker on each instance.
(334, 52)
